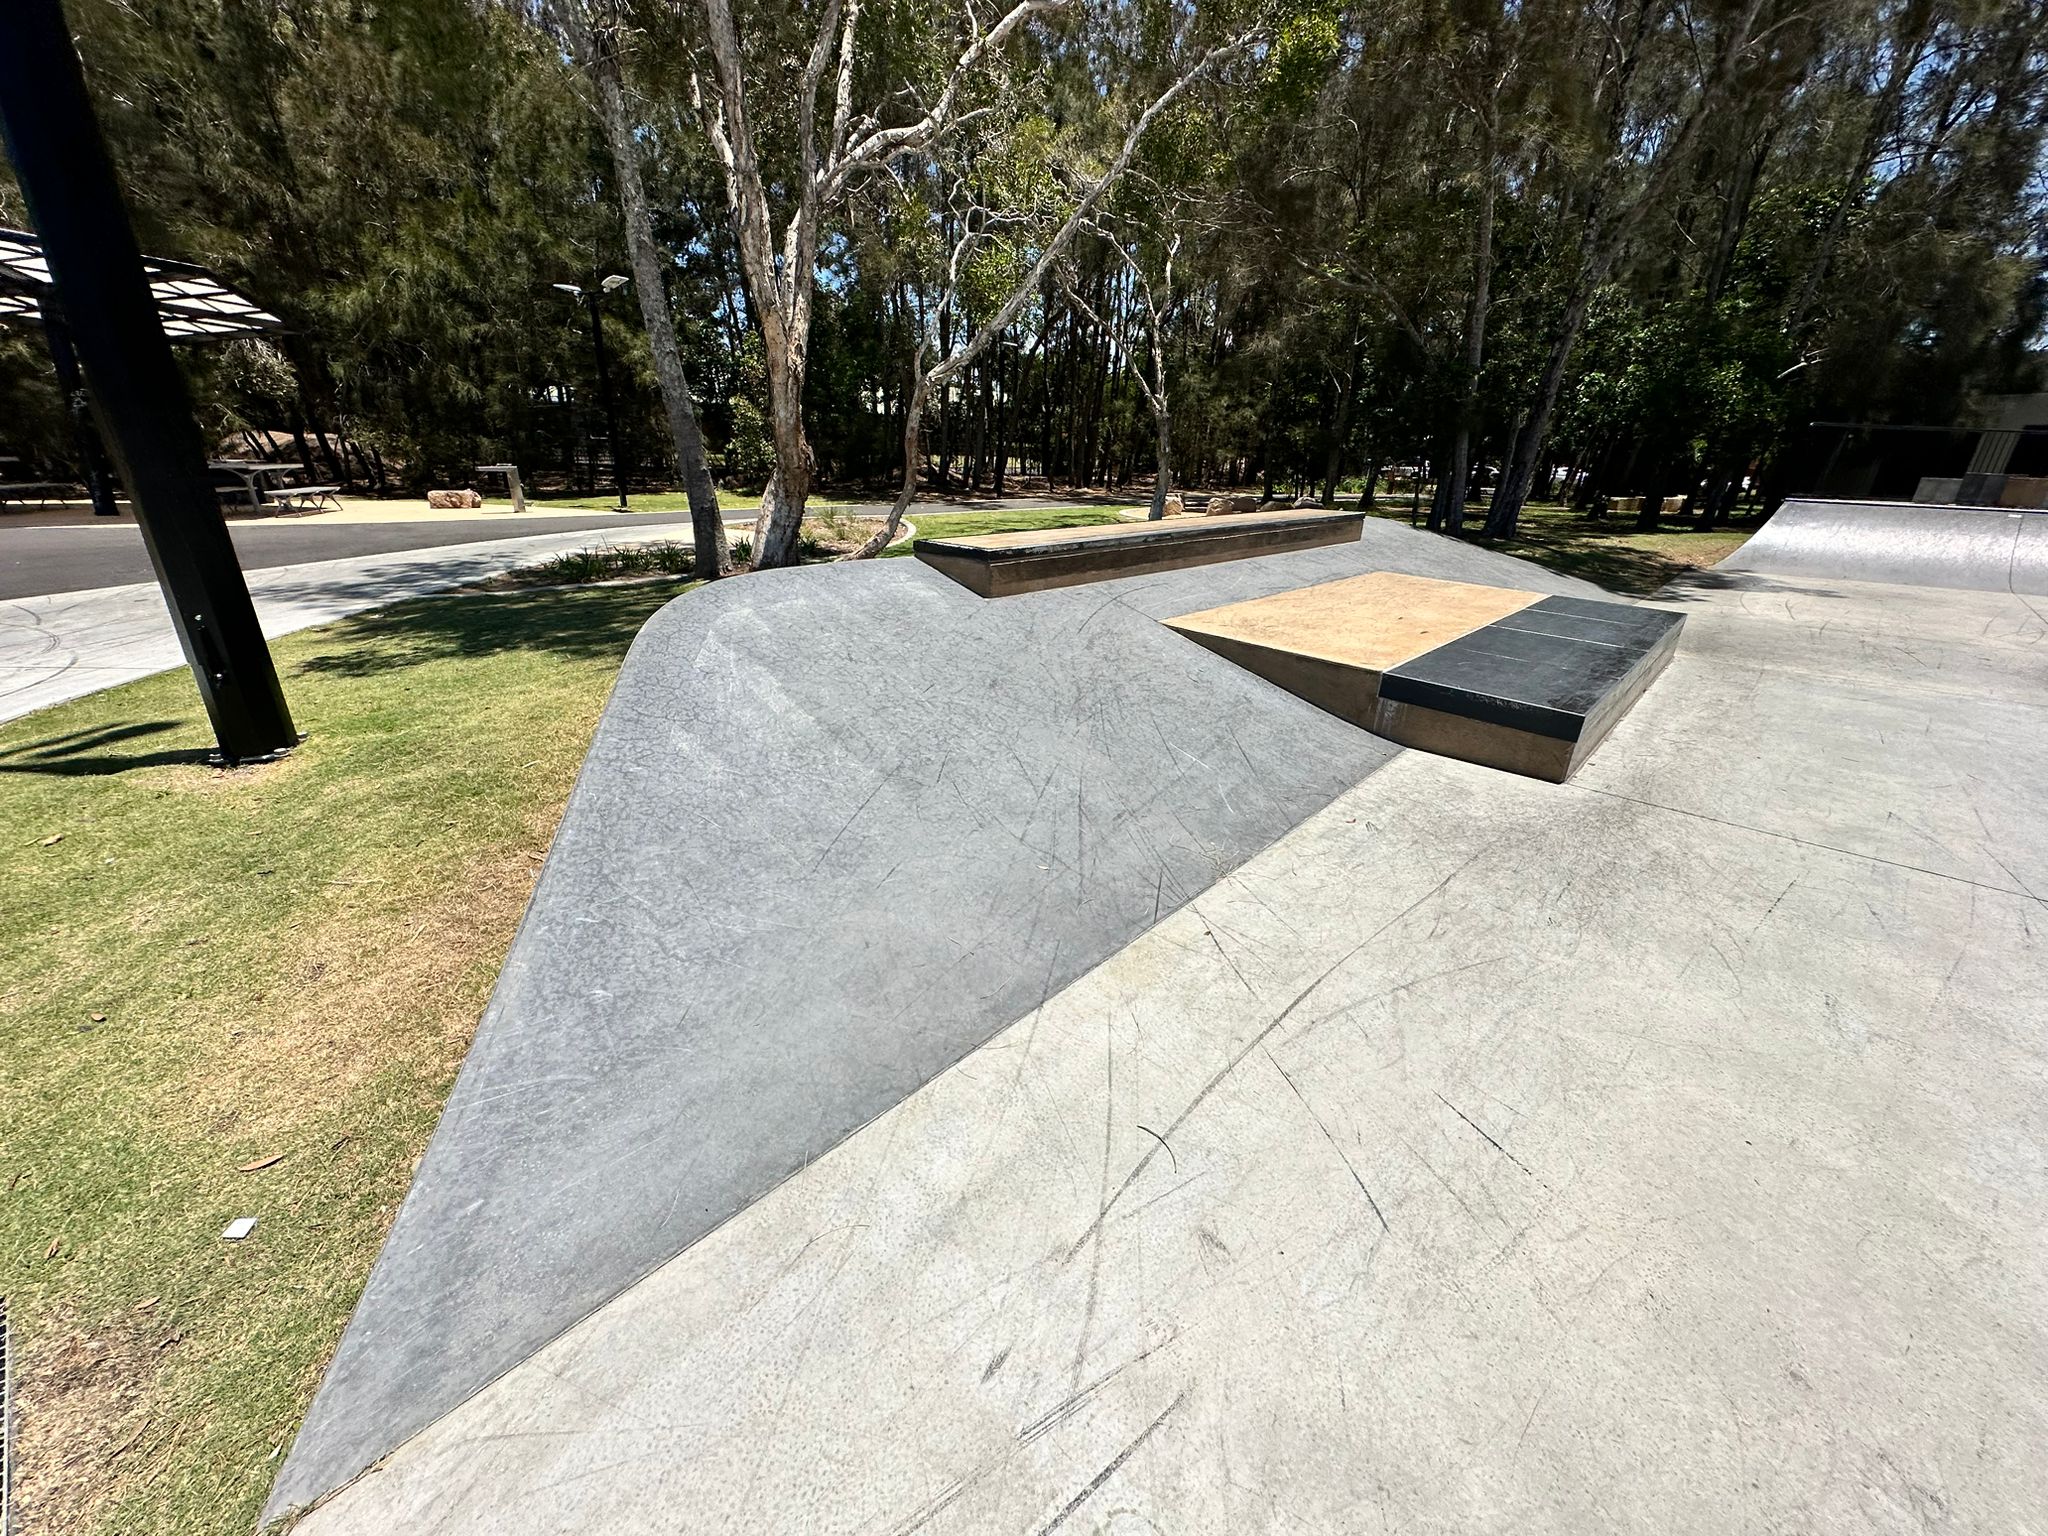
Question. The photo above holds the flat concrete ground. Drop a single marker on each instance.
(1658, 1152)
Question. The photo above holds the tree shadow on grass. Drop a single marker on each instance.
(576, 625)
(1608, 552)
(83, 754)
(1624, 568)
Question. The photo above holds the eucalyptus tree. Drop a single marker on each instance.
(1015, 244)
(598, 36)
(1650, 116)
(778, 232)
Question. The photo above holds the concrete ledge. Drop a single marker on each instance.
(1004, 564)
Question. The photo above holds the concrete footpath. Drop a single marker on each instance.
(68, 644)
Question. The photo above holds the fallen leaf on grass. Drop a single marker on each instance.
(261, 1163)
(53, 840)
(51, 1252)
(145, 1305)
(99, 1018)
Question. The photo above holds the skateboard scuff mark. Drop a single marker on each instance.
(1484, 1133)
(1335, 1145)
(1258, 1040)
(1114, 1463)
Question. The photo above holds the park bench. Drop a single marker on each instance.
(513, 487)
(306, 498)
(41, 492)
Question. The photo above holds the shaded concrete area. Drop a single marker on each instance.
(837, 828)
(1984, 549)
(1657, 1152)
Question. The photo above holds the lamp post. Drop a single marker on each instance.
(594, 297)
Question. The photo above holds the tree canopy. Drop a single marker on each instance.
(1644, 241)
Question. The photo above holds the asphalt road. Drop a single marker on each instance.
(73, 552)
(77, 557)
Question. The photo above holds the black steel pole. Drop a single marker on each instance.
(138, 395)
(92, 457)
(604, 389)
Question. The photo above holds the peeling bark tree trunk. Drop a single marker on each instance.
(707, 525)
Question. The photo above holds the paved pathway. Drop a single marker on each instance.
(39, 560)
(61, 645)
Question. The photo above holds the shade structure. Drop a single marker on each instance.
(192, 303)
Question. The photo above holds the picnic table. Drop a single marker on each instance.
(41, 492)
(242, 481)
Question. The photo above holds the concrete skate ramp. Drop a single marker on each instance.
(1981, 549)
(837, 828)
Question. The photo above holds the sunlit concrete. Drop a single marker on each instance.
(1658, 1152)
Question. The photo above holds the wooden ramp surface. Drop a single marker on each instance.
(1513, 680)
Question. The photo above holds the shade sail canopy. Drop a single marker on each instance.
(192, 303)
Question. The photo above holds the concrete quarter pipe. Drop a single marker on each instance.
(1981, 549)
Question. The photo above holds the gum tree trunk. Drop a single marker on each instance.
(707, 524)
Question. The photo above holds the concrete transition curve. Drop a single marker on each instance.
(1983, 549)
(838, 827)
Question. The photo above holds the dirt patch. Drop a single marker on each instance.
(79, 1414)
(364, 988)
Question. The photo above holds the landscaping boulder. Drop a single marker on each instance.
(1239, 501)
(1171, 507)
(451, 501)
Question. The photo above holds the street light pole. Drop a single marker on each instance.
(595, 296)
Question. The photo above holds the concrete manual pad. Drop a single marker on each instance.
(1513, 680)
(837, 827)
(1036, 560)
(1483, 1156)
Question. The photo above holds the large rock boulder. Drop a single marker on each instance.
(453, 501)
(1237, 501)
(1171, 507)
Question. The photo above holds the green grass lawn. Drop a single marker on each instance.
(1609, 552)
(246, 993)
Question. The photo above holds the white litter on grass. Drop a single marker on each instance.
(238, 1229)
